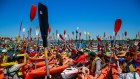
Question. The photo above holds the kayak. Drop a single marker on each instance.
(42, 71)
(105, 72)
(37, 59)
(42, 63)
(69, 72)
(2, 75)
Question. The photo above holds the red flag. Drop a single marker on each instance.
(64, 32)
(49, 29)
(125, 33)
(117, 26)
(32, 12)
(110, 37)
(139, 33)
(80, 34)
(98, 39)
(61, 37)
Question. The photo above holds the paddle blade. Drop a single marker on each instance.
(117, 26)
(61, 37)
(43, 22)
(32, 12)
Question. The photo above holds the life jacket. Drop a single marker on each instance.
(5, 59)
(129, 67)
(93, 65)
(12, 74)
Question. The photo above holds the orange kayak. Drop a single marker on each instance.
(105, 71)
(1, 75)
(42, 71)
(42, 63)
(37, 59)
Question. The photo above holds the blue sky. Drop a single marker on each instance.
(94, 16)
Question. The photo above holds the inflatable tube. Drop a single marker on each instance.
(42, 71)
(37, 59)
(40, 64)
(19, 55)
(8, 64)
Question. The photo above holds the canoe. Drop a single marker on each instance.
(42, 71)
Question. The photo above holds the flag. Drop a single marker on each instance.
(72, 33)
(104, 34)
(49, 29)
(21, 26)
(64, 32)
(30, 31)
(125, 33)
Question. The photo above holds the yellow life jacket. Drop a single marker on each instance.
(131, 67)
(5, 59)
(93, 66)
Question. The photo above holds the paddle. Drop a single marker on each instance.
(61, 37)
(44, 25)
(117, 27)
(32, 16)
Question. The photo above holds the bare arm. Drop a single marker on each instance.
(25, 60)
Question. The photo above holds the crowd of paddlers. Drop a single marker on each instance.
(67, 61)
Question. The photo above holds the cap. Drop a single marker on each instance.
(92, 54)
